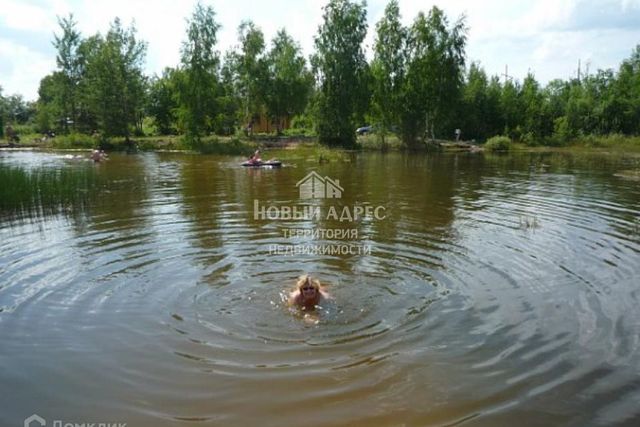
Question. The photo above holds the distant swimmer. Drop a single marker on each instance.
(308, 293)
(98, 156)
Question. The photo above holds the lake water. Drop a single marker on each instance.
(489, 291)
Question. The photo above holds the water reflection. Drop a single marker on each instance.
(497, 287)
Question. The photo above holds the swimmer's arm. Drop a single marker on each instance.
(294, 298)
(325, 294)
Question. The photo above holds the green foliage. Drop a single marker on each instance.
(388, 69)
(564, 111)
(434, 75)
(73, 141)
(25, 129)
(562, 134)
(480, 105)
(342, 72)
(301, 124)
(45, 190)
(251, 71)
(536, 121)
(512, 109)
(115, 82)
(71, 64)
(162, 101)
(44, 118)
(376, 143)
(197, 82)
(326, 155)
(417, 85)
(2, 113)
(302, 121)
(161, 142)
(99, 84)
(14, 110)
(234, 146)
(498, 143)
(289, 81)
(228, 118)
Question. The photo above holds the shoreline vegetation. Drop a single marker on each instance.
(245, 146)
(417, 92)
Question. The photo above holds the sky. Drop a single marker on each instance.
(544, 37)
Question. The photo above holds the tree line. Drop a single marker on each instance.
(417, 86)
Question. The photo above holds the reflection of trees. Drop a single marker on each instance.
(118, 201)
(203, 192)
(417, 190)
(116, 226)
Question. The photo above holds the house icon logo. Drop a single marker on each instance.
(314, 186)
(35, 420)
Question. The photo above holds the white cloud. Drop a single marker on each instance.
(27, 68)
(546, 36)
(24, 16)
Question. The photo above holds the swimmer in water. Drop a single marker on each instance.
(98, 156)
(308, 293)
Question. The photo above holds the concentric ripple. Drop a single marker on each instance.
(495, 288)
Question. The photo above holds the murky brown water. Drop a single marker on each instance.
(497, 291)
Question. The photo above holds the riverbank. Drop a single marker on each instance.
(618, 144)
(233, 145)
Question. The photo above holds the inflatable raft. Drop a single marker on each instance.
(267, 164)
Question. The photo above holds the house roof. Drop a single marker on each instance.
(334, 183)
(312, 174)
(325, 180)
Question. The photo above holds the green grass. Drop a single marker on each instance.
(374, 142)
(328, 155)
(207, 145)
(614, 142)
(498, 143)
(72, 141)
(44, 191)
(311, 152)
(226, 146)
(240, 145)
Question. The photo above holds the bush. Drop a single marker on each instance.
(301, 125)
(562, 133)
(25, 129)
(326, 155)
(529, 139)
(73, 140)
(233, 146)
(498, 143)
(302, 121)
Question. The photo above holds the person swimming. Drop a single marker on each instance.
(308, 293)
(98, 156)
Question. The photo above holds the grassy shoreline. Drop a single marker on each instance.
(233, 145)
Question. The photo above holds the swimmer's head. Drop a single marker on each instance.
(309, 288)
